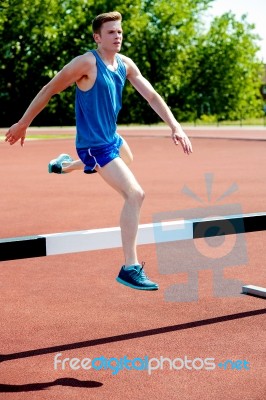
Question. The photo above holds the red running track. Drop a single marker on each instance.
(71, 304)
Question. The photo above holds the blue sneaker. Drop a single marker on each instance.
(55, 166)
(136, 278)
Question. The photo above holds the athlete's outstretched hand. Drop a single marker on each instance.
(179, 136)
(16, 132)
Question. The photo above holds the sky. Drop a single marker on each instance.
(256, 11)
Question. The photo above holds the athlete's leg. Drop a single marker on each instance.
(125, 154)
(118, 175)
(69, 165)
(72, 166)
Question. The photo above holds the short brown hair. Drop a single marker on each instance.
(105, 17)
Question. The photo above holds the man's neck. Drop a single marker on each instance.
(107, 57)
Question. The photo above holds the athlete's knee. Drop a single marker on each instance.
(137, 195)
(141, 195)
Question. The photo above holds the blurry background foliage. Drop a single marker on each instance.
(213, 73)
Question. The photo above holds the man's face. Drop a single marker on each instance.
(110, 37)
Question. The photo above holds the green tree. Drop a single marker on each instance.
(196, 73)
(159, 41)
(224, 77)
(37, 38)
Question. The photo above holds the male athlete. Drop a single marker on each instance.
(100, 76)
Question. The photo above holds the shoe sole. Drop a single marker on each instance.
(136, 287)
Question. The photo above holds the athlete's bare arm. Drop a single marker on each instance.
(143, 86)
(78, 70)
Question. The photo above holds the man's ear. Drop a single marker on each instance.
(97, 37)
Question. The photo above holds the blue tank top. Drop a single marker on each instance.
(97, 108)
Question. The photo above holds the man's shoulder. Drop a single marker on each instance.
(129, 63)
(124, 58)
(87, 57)
(84, 59)
(83, 63)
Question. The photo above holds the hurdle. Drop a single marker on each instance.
(109, 238)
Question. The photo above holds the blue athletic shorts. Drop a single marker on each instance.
(100, 156)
